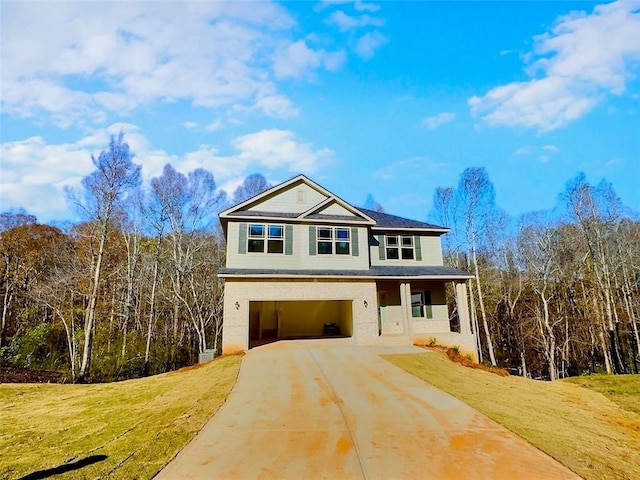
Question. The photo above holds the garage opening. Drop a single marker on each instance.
(270, 321)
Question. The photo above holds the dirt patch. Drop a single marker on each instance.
(11, 374)
(188, 368)
(455, 356)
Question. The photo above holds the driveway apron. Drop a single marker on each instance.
(317, 409)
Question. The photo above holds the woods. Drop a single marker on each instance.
(132, 289)
(555, 292)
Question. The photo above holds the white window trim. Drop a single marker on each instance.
(399, 247)
(265, 238)
(423, 304)
(334, 240)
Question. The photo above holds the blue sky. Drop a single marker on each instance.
(388, 98)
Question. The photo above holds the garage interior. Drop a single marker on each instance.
(270, 321)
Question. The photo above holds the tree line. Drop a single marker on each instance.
(555, 293)
(130, 290)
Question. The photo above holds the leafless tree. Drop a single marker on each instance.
(104, 190)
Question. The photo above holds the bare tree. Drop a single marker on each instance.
(596, 212)
(536, 242)
(252, 186)
(476, 197)
(190, 205)
(104, 190)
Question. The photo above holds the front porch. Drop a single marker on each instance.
(417, 311)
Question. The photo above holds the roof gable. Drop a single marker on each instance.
(300, 199)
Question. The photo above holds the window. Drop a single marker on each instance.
(421, 305)
(256, 238)
(334, 240)
(407, 248)
(399, 246)
(392, 247)
(269, 236)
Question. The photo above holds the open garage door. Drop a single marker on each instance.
(276, 320)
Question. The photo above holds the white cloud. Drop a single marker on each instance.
(366, 6)
(401, 167)
(346, 22)
(438, 120)
(190, 125)
(543, 154)
(280, 149)
(34, 173)
(527, 150)
(583, 59)
(213, 126)
(276, 105)
(550, 148)
(359, 5)
(79, 62)
(369, 43)
(297, 60)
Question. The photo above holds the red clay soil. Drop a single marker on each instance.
(11, 374)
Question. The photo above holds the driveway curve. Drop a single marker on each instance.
(324, 409)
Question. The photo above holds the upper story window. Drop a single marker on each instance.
(400, 247)
(334, 240)
(267, 238)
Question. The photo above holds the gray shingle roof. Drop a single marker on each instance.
(385, 220)
(254, 213)
(380, 271)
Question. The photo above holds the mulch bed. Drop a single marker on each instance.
(11, 374)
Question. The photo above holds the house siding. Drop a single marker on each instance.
(297, 254)
(287, 201)
(336, 209)
(301, 306)
(429, 253)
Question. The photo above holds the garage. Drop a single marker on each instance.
(277, 320)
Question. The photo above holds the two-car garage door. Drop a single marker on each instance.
(272, 320)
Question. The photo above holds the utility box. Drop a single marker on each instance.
(206, 356)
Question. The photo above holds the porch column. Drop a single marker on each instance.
(463, 308)
(405, 301)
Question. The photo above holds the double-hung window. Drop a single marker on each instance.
(421, 305)
(334, 241)
(267, 238)
(399, 247)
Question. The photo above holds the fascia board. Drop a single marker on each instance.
(410, 229)
(333, 198)
(448, 278)
(266, 193)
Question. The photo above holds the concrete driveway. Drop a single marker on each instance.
(325, 409)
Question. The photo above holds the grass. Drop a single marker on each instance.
(594, 431)
(125, 430)
(621, 389)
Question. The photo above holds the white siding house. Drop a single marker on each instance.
(303, 263)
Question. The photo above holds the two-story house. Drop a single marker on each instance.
(303, 263)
